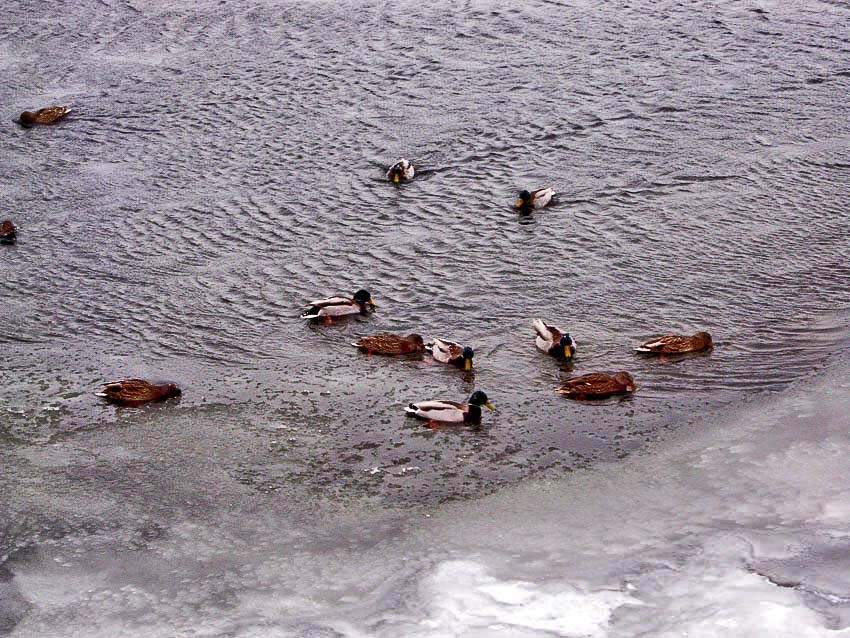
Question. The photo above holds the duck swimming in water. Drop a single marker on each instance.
(673, 344)
(451, 353)
(8, 232)
(530, 200)
(401, 171)
(133, 392)
(385, 343)
(338, 306)
(450, 411)
(553, 340)
(598, 385)
(46, 115)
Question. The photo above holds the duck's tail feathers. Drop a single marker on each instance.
(308, 315)
(540, 327)
(411, 410)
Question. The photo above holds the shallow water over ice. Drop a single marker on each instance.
(740, 526)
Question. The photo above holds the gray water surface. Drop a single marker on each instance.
(224, 165)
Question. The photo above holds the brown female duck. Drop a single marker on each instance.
(598, 385)
(8, 232)
(46, 115)
(672, 344)
(386, 343)
(134, 392)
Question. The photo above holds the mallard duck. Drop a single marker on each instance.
(401, 171)
(390, 344)
(43, 116)
(451, 352)
(8, 232)
(672, 344)
(554, 341)
(137, 391)
(451, 412)
(528, 201)
(339, 306)
(598, 385)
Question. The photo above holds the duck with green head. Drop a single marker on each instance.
(401, 171)
(530, 200)
(452, 353)
(552, 340)
(451, 411)
(338, 306)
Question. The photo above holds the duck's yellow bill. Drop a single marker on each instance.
(373, 304)
(490, 405)
(567, 353)
(518, 204)
(395, 178)
(467, 364)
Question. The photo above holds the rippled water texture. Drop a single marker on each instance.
(224, 164)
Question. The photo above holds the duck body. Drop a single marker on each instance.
(386, 343)
(598, 385)
(554, 341)
(339, 306)
(133, 392)
(673, 344)
(8, 232)
(46, 115)
(452, 353)
(531, 200)
(401, 171)
(451, 411)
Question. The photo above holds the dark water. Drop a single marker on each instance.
(224, 164)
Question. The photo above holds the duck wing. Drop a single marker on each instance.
(384, 343)
(667, 343)
(595, 383)
(542, 197)
(130, 390)
(446, 351)
(51, 114)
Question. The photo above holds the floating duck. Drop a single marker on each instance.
(598, 385)
(390, 344)
(43, 116)
(451, 352)
(134, 392)
(401, 171)
(672, 344)
(339, 306)
(8, 232)
(451, 412)
(528, 201)
(553, 340)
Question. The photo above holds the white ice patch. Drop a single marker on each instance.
(465, 600)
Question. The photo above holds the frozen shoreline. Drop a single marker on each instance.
(739, 527)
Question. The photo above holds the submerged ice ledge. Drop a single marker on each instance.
(739, 527)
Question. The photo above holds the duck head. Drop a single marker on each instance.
(27, 119)
(705, 338)
(171, 390)
(467, 355)
(364, 298)
(626, 379)
(417, 341)
(566, 342)
(524, 201)
(479, 398)
(397, 172)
